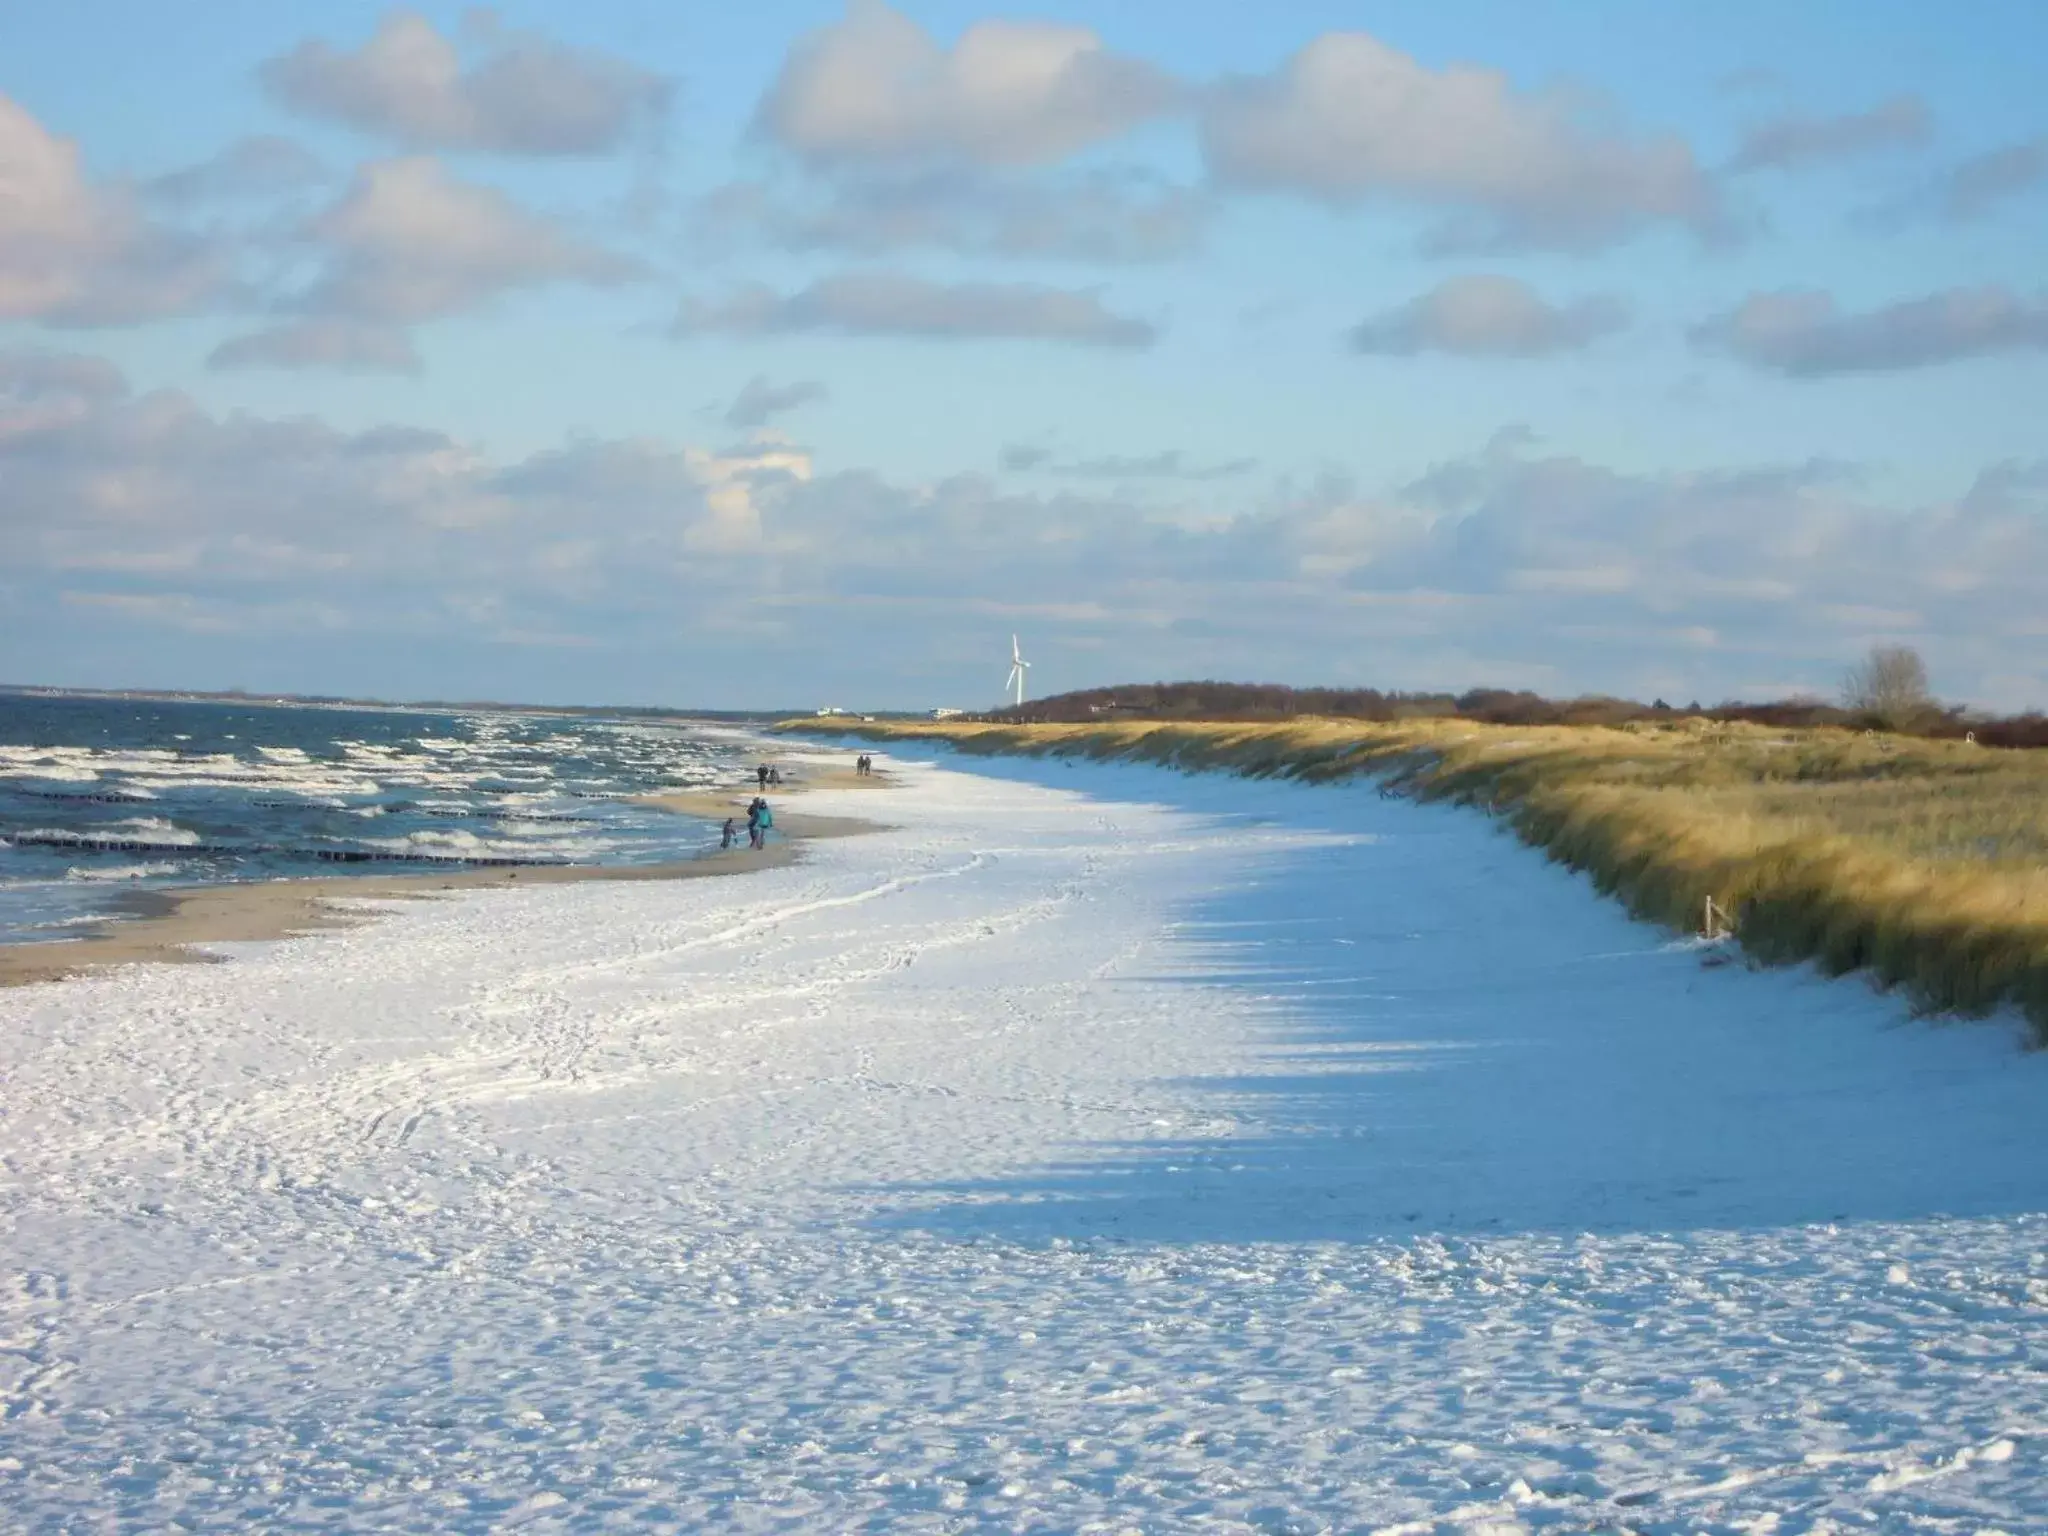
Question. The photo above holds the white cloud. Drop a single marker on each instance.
(72, 253)
(406, 243)
(1797, 139)
(875, 86)
(895, 304)
(520, 94)
(893, 142)
(1802, 331)
(413, 242)
(1486, 315)
(731, 483)
(1349, 118)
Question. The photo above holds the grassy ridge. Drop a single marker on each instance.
(1924, 863)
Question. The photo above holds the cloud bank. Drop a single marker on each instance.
(1504, 566)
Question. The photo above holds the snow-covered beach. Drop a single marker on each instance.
(1099, 1149)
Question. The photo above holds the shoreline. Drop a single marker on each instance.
(165, 926)
(1794, 843)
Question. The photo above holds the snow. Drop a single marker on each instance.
(1103, 1150)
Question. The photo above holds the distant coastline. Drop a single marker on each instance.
(427, 706)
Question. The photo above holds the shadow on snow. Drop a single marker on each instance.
(1453, 1036)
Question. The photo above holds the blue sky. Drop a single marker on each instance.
(802, 353)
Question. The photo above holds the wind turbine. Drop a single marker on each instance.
(1018, 667)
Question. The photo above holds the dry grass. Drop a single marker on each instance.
(1922, 862)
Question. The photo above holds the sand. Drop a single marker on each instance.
(163, 926)
(718, 804)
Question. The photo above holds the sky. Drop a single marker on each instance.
(801, 354)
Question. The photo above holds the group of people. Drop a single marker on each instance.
(759, 817)
(759, 820)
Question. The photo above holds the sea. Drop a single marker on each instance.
(101, 797)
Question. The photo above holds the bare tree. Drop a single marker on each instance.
(1889, 684)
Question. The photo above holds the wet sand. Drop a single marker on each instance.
(162, 926)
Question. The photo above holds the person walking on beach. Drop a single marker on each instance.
(774, 774)
(730, 835)
(754, 822)
(761, 775)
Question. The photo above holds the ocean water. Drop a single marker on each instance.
(100, 797)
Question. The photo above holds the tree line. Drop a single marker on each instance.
(1887, 691)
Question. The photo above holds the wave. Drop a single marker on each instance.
(155, 869)
(456, 843)
(401, 855)
(153, 827)
(138, 798)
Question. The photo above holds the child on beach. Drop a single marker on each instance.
(730, 834)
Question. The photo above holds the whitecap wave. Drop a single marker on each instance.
(456, 843)
(148, 871)
(151, 829)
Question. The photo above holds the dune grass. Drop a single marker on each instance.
(1923, 863)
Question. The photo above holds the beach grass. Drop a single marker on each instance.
(1922, 863)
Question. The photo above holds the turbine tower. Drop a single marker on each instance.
(1018, 667)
